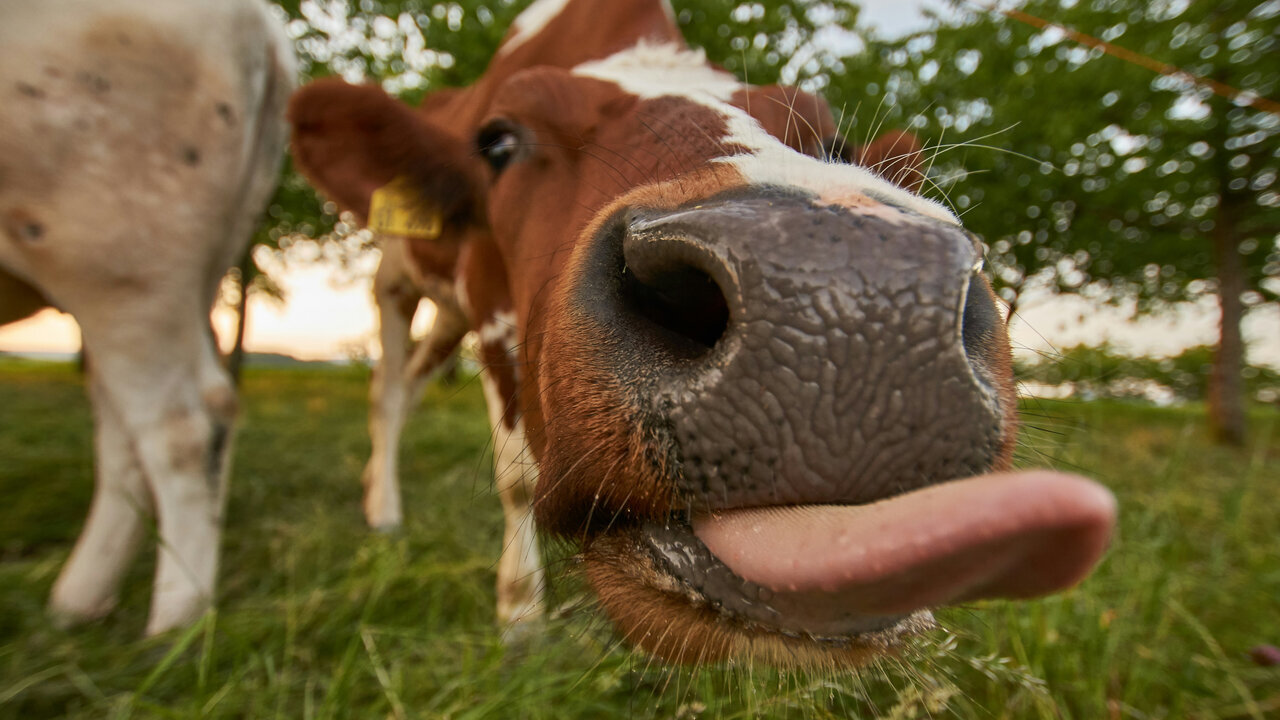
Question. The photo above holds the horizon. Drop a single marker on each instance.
(326, 319)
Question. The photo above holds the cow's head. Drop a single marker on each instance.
(769, 395)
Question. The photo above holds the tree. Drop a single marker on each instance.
(1100, 371)
(1122, 183)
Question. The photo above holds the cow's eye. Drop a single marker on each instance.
(499, 143)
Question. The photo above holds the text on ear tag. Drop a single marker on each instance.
(395, 209)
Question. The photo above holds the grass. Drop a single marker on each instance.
(319, 618)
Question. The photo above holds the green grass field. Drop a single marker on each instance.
(318, 618)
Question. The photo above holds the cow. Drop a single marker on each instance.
(139, 142)
(767, 395)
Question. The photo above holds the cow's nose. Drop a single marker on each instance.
(795, 353)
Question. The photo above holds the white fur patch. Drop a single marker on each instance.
(648, 71)
(531, 22)
(651, 71)
(499, 330)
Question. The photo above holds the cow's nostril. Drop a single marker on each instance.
(663, 286)
(682, 300)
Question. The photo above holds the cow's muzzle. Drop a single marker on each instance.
(807, 354)
(824, 395)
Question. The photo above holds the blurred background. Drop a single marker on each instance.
(1119, 159)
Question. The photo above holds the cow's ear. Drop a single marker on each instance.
(350, 140)
(895, 156)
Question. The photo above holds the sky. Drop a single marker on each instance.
(894, 18)
(329, 315)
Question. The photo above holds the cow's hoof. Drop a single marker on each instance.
(171, 616)
(66, 613)
(66, 620)
(380, 517)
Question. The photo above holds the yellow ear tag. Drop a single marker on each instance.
(395, 209)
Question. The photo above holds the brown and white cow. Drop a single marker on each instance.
(139, 142)
(769, 395)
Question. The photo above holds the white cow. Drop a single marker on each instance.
(139, 142)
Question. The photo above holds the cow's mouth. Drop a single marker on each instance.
(817, 584)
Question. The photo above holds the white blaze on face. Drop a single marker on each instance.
(651, 71)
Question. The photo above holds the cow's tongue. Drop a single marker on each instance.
(1011, 535)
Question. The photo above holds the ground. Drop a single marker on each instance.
(319, 618)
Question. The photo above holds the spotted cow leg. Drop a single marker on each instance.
(164, 408)
(521, 582)
(389, 399)
(398, 380)
(89, 584)
(195, 446)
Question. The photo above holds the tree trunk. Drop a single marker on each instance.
(1226, 388)
(235, 360)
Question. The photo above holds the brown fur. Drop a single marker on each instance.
(802, 121)
(895, 156)
(998, 349)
